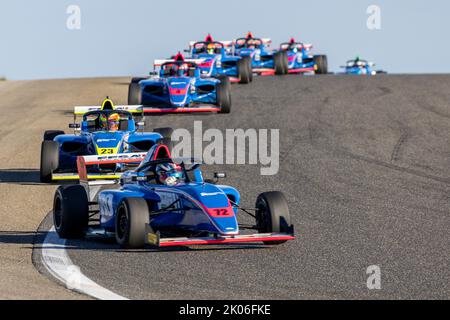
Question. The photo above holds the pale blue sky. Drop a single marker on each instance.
(123, 37)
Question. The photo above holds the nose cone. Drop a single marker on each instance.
(215, 203)
(179, 91)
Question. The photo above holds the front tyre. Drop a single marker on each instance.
(49, 160)
(224, 96)
(244, 72)
(321, 62)
(272, 214)
(70, 211)
(134, 94)
(280, 62)
(131, 217)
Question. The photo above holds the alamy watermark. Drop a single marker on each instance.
(232, 146)
(73, 21)
(374, 19)
(374, 279)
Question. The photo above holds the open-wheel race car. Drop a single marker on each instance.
(264, 61)
(180, 88)
(219, 62)
(359, 66)
(104, 130)
(165, 202)
(301, 61)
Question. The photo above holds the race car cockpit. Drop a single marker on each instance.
(178, 69)
(107, 120)
(249, 43)
(207, 47)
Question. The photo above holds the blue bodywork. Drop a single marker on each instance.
(192, 207)
(299, 60)
(359, 67)
(257, 50)
(94, 141)
(215, 63)
(176, 87)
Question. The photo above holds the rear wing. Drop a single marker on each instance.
(226, 43)
(160, 62)
(121, 158)
(81, 110)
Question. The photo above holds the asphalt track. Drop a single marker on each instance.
(363, 165)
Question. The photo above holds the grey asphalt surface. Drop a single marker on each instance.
(364, 166)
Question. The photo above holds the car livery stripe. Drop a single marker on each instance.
(181, 110)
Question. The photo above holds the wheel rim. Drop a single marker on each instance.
(57, 213)
(122, 222)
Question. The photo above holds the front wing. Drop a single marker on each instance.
(154, 239)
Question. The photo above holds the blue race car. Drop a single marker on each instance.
(180, 88)
(300, 61)
(104, 130)
(218, 62)
(361, 67)
(264, 61)
(163, 203)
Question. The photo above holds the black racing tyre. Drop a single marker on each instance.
(244, 73)
(272, 214)
(49, 160)
(225, 80)
(52, 134)
(280, 63)
(131, 217)
(285, 62)
(224, 96)
(164, 132)
(248, 60)
(137, 79)
(134, 94)
(322, 64)
(71, 211)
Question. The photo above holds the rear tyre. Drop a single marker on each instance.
(249, 66)
(272, 214)
(322, 64)
(71, 211)
(224, 96)
(49, 135)
(49, 160)
(243, 71)
(280, 63)
(134, 94)
(131, 217)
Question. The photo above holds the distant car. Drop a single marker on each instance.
(143, 208)
(59, 151)
(300, 61)
(361, 67)
(180, 88)
(264, 61)
(219, 62)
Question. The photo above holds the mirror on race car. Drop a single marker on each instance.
(220, 175)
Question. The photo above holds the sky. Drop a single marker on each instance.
(122, 38)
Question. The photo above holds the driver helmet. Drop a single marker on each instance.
(183, 69)
(210, 48)
(169, 174)
(113, 122)
(103, 121)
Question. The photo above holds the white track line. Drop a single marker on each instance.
(57, 262)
